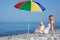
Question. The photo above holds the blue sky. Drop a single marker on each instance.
(8, 13)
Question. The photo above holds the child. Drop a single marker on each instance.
(51, 18)
(40, 28)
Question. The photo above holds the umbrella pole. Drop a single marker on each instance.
(29, 24)
(28, 27)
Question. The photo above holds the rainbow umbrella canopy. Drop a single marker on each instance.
(30, 6)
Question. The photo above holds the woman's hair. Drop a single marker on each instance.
(51, 16)
(51, 19)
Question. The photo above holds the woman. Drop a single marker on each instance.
(51, 18)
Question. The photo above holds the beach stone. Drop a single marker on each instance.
(50, 38)
(3, 38)
(59, 38)
(56, 39)
(31, 38)
(43, 38)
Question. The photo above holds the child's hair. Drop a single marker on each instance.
(41, 23)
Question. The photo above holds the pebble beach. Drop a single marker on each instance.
(32, 36)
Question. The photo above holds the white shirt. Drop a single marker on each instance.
(41, 27)
(47, 29)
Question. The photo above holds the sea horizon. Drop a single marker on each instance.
(14, 28)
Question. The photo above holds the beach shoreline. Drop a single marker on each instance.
(32, 36)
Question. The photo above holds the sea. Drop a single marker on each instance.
(15, 28)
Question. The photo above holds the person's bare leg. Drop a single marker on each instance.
(52, 29)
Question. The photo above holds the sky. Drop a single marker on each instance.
(8, 13)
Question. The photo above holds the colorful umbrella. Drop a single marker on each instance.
(30, 6)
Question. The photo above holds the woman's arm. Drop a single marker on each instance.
(52, 26)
